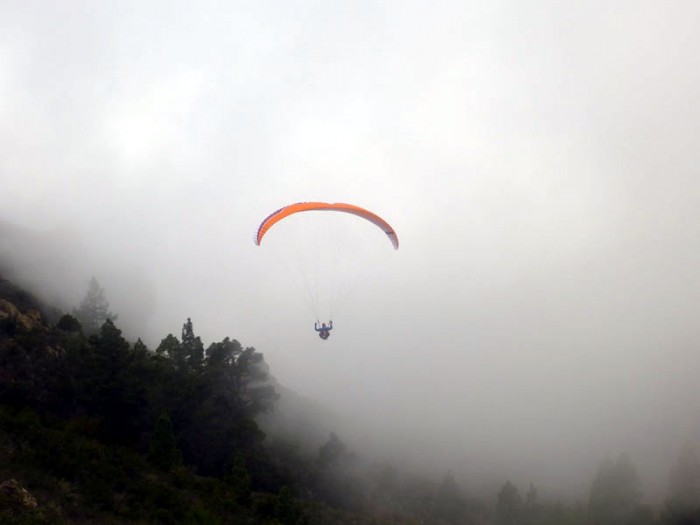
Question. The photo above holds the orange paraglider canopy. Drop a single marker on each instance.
(280, 214)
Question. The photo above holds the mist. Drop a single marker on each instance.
(537, 160)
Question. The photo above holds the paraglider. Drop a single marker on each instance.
(324, 331)
(321, 265)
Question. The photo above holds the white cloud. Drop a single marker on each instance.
(538, 161)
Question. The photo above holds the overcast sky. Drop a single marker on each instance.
(539, 161)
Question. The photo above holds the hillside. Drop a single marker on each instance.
(95, 429)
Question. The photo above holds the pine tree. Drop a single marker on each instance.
(193, 348)
(448, 504)
(94, 309)
(68, 323)
(116, 397)
(531, 507)
(615, 493)
(163, 452)
(171, 349)
(331, 452)
(509, 505)
(239, 480)
(684, 487)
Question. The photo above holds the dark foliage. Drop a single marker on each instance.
(91, 413)
(163, 452)
(68, 323)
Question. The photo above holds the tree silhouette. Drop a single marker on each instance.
(163, 452)
(448, 504)
(683, 502)
(239, 480)
(615, 493)
(509, 505)
(330, 453)
(192, 347)
(171, 349)
(531, 507)
(94, 309)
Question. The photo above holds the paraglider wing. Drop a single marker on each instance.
(280, 214)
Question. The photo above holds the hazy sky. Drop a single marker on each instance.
(539, 161)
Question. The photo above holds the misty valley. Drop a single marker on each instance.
(99, 429)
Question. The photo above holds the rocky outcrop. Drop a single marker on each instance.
(16, 495)
(25, 321)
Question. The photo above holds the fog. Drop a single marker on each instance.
(538, 161)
